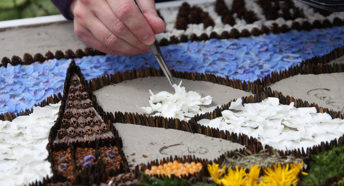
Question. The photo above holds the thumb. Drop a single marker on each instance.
(149, 11)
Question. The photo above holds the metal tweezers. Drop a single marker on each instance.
(160, 58)
(330, 5)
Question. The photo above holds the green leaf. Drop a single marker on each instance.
(9, 14)
(26, 8)
(325, 165)
(204, 184)
(9, 4)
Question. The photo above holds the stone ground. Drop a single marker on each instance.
(38, 39)
(143, 144)
(131, 95)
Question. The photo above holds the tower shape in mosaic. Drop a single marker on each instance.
(80, 121)
(83, 136)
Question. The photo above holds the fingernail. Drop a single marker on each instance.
(148, 39)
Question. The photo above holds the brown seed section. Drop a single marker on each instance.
(111, 157)
(192, 15)
(238, 10)
(63, 163)
(83, 157)
(273, 9)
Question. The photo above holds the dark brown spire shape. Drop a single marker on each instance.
(78, 119)
(82, 135)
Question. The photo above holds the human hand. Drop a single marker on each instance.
(117, 26)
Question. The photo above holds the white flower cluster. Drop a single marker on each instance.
(23, 144)
(283, 127)
(182, 104)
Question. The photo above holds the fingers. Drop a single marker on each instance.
(95, 34)
(111, 41)
(104, 13)
(89, 40)
(117, 25)
(129, 14)
(149, 11)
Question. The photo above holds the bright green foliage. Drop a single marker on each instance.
(165, 182)
(5, 4)
(204, 184)
(324, 166)
(152, 181)
(16, 9)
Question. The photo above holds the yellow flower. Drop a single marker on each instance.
(252, 176)
(235, 177)
(215, 172)
(281, 175)
(297, 167)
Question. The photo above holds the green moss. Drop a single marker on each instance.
(324, 166)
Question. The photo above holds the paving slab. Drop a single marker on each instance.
(143, 144)
(131, 95)
(326, 90)
(339, 60)
(38, 39)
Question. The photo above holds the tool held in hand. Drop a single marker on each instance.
(160, 58)
(330, 5)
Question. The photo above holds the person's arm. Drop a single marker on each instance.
(114, 26)
(64, 8)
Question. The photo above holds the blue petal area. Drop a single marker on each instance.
(246, 59)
